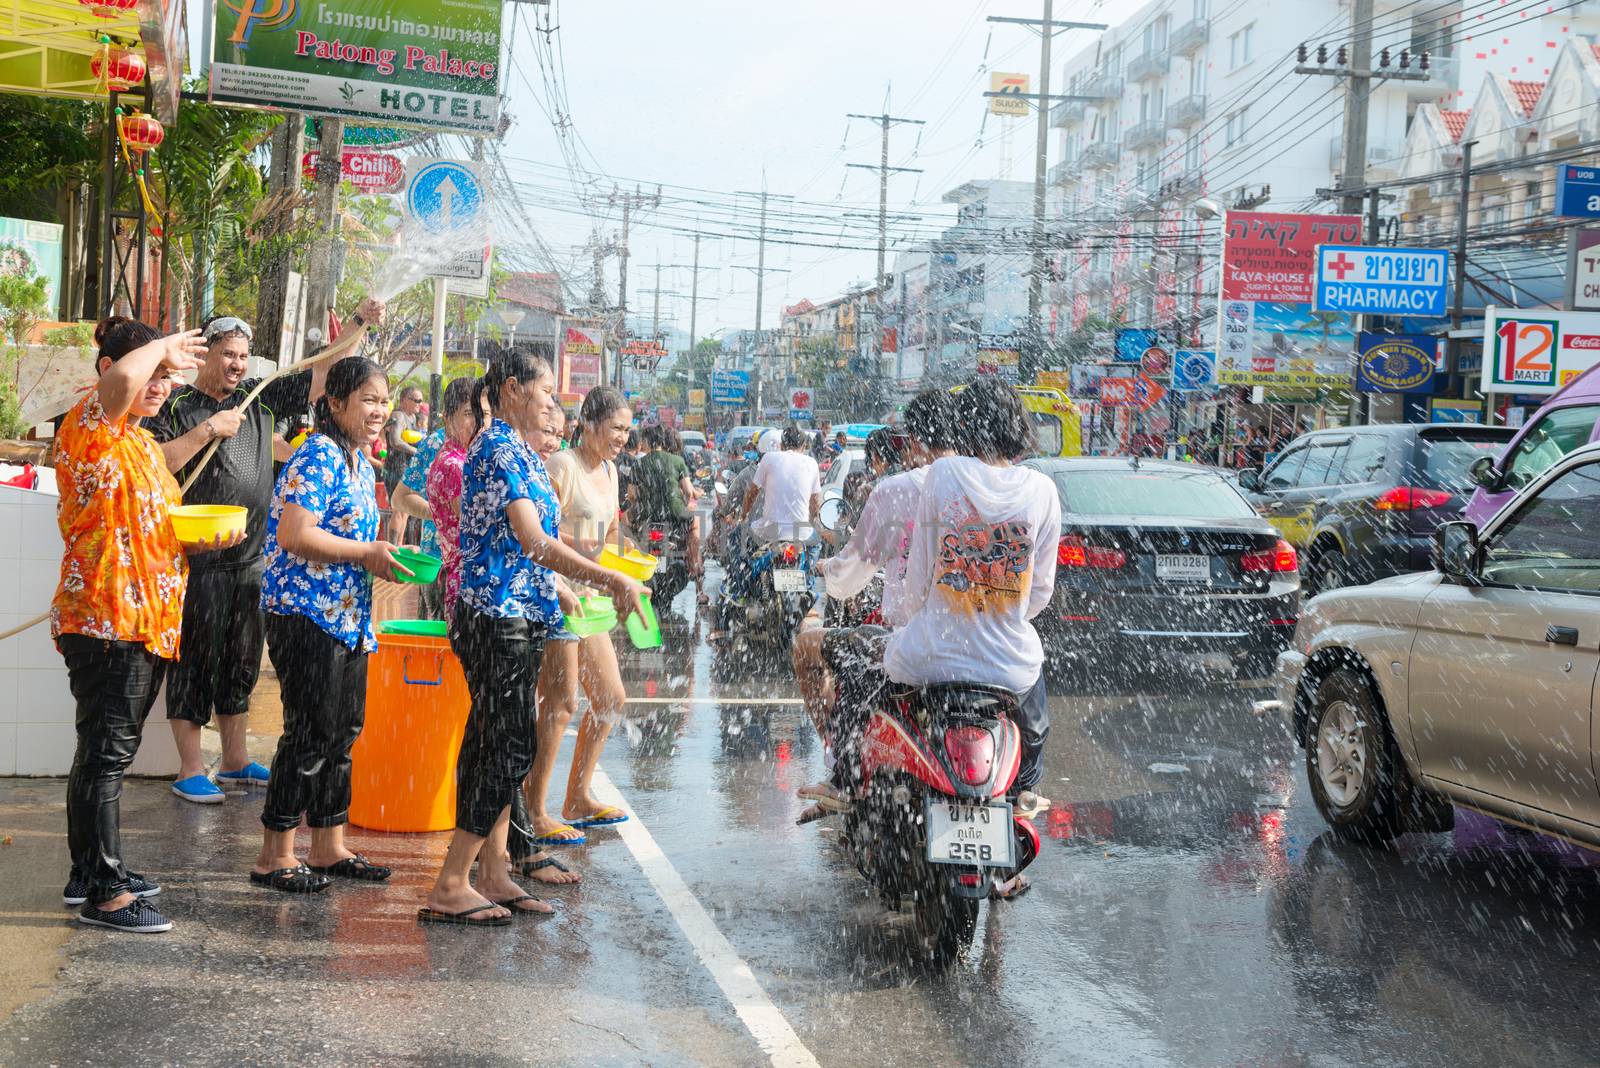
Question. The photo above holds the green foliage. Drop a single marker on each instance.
(47, 144)
(24, 302)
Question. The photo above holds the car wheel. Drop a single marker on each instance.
(1351, 760)
(1329, 571)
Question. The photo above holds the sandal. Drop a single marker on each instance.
(826, 795)
(356, 867)
(512, 903)
(464, 917)
(567, 836)
(526, 869)
(605, 817)
(296, 880)
(1019, 886)
(811, 814)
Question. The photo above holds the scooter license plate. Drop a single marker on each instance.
(969, 834)
(789, 580)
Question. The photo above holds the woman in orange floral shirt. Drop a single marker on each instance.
(117, 614)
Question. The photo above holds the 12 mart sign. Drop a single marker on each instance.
(1537, 351)
(429, 63)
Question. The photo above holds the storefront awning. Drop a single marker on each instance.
(46, 45)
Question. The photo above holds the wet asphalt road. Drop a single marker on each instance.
(1189, 908)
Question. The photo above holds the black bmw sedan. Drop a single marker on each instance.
(1158, 560)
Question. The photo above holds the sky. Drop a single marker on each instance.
(713, 97)
(735, 96)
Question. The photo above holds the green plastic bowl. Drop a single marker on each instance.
(415, 628)
(424, 568)
(596, 615)
(644, 631)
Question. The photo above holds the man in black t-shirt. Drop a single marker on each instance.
(222, 638)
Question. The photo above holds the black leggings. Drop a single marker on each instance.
(115, 685)
(324, 689)
(500, 659)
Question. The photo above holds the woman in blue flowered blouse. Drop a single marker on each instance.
(316, 592)
(510, 549)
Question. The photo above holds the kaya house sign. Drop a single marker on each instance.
(1268, 256)
(436, 65)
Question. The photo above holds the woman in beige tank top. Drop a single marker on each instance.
(585, 479)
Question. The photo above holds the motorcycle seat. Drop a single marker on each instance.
(946, 699)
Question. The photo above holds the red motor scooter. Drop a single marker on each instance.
(929, 825)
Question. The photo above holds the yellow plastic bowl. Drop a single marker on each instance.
(633, 563)
(298, 440)
(410, 437)
(196, 523)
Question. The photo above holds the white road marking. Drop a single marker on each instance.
(761, 1017)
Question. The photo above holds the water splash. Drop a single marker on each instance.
(416, 258)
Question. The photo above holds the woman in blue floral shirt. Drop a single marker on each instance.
(510, 542)
(316, 593)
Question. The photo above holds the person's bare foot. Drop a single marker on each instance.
(543, 867)
(501, 887)
(577, 810)
(266, 865)
(328, 859)
(460, 900)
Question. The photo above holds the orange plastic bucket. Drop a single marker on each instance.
(403, 766)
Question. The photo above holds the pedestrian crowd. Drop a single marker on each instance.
(513, 496)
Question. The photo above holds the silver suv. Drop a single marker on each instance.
(1471, 685)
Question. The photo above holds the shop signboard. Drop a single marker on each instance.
(800, 398)
(1381, 281)
(33, 250)
(1396, 363)
(1267, 256)
(1577, 191)
(1137, 391)
(582, 355)
(369, 172)
(434, 64)
(1008, 90)
(730, 387)
(1132, 342)
(1194, 371)
(1000, 355)
(1583, 269)
(1537, 352)
(1283, 346)
(1454, 411)
(1061, 380)
(697, 398)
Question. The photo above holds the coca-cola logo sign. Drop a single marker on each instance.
(370, 172)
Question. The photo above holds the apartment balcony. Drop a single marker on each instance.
(1066, 113)
(1186, 110)
(1152, 64)
(1148, 134)
(1444, 73)
(1099, 279)
(1103, 85)
(1183, 186)
(1190, 36)
(1063, 173)
(1100, 154)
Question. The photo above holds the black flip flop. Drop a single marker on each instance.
(512, 903)
(463, 918)
(526, 868)
(356, 867)
(296, 880)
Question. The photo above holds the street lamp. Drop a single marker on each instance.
(511, 315)
(1206, 208)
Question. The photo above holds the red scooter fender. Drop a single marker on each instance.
(894, 743)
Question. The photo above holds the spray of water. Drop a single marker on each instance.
(417, 257)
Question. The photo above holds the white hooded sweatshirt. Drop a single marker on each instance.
(983, 563)
(881, 540)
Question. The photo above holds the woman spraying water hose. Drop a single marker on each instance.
(510, 518)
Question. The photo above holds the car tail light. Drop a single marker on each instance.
(971, 753)
(1405, 498)
(1281, 557)
(657, 535)
(1073, 551)
(790, 553)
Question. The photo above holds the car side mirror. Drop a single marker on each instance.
(1250, 479)
(831, 514)
(1486, 474)
(1456, 551)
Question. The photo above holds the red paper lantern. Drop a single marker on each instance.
(119, 68)
(141, 133)
(109, 9)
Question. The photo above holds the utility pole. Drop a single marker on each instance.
(283, 178)
(322, 281)
(1046, 28)
(629, 201)
(694, 288)
(761, 269)
(1453, 353)
(885, 121)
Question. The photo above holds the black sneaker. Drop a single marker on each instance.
(137, 917)
(77, 891)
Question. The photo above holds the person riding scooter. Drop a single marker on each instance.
(789, 486)
(664, 494)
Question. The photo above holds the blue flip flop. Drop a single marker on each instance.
(558, 839)
(604, 818)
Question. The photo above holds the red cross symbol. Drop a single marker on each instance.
(1339, 265)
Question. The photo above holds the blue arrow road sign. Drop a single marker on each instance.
(1578, 191)
(1194, 371)
(1360, 279)
(445, 195)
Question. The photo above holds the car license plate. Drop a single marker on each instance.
(1183, 567)
(969, 834)
(789, 580)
